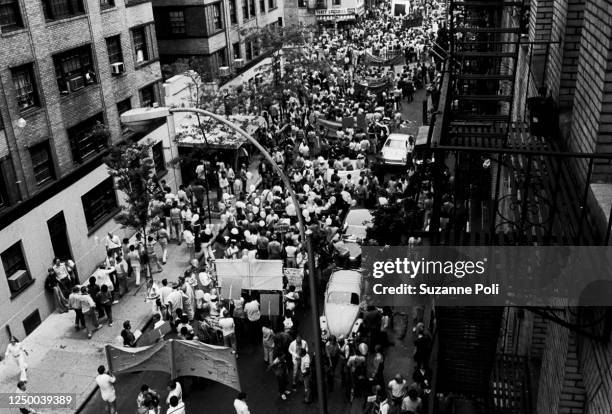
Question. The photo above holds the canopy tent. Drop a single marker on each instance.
(255, 275)
(177, 358)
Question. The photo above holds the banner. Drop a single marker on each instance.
(177, 358)
(154, 335)
(270, 304)
(295, 277)
(255, 275)
(231, 287)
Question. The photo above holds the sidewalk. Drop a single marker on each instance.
(62, 359)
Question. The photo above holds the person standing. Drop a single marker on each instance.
(190, 241)
(240, 404)
(152, 254)
(174, 390)
(226, 323)
(133, 259)
(74, 303)
(16, 351)
(129, 339)
(106, 383)
(175, 222)
(88, 307)
(253, 316)
(175, 406)
(121, 269)
(279, 367)
(104, 298)
(306, 374)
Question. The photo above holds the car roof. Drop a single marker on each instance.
(345, 281)
(398, 137)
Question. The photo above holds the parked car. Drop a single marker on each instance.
(396, 149)
(341, 306)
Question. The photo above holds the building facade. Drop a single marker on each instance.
(215, 33)
(65, 67)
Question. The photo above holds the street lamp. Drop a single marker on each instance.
(148, 114)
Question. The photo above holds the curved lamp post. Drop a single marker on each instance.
(147, 114)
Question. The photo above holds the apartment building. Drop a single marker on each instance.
(214, 32)
(65, 66)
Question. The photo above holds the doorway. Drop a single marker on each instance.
(59, 236)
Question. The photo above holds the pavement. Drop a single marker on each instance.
(62, 359)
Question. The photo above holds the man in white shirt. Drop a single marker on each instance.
(106, 383)
(174, 390)
(253, 315)
(306, 374)
(226, 323)
(164, 291)
(397, 386)
(113, 244)
(240, 404)
(175, 406)
(295, 348)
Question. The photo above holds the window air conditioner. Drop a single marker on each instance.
(117, 68)
(139, 56)
(224, 71)
(18, 280)
(239, 63)
(76, 83)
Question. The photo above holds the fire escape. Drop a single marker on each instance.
(519, 186)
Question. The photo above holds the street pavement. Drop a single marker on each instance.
(62, 359)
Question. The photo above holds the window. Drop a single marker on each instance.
(272, 4)
(124, 106)
(107, 4)
(87, 138)
(10, 17)
(176, 19)
(140, 45)
(25, 86)
(100, 203)
(217, 21)
(248, 49)
(74, 69)
(262, 6)
(158, 158)
(236, 49)
(113, 46)
(245, 10)
(336, 2)
(232, 12)
(221, 57)
(302, 3)
(15, 268)
(62, 9)
(42, 163)
(252, 10)
(147, 96)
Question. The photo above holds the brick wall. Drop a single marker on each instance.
(552, 369)
(595, 357)
(571, 49)
(555, 50)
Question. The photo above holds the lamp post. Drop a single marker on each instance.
(141, 114)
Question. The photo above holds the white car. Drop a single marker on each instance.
(341, 307)
(396, 149)
(355, 228)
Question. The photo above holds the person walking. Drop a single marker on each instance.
(279, 367)
(106, 381)
(16, 351)
(163, 238)
(175, 222)
(295, 349)
(253, 317)
(240, 405)
(268, 343)
(152, 254)
(190, 241)
(24, 407)
(306, 375)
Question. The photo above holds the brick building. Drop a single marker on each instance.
(214, 32)
(65, 66)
